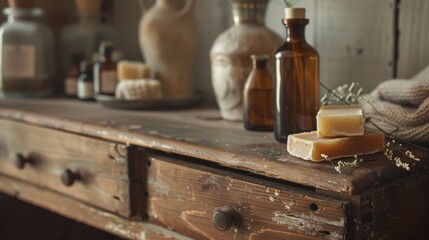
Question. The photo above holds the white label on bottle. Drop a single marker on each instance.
(85, 90)
(70, 86)
(108, 81)
(19, 61)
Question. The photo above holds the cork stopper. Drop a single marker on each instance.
(295, 13)
(21, 3)
(88, 6)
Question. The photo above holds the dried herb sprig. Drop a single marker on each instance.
(288, 3)
(349, 94)
(344, 165)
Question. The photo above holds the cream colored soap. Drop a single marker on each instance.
(142, 89)
(130, 70)
(309, 146)
(340, 121)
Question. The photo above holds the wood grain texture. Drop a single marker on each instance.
(355, 40)
(83, 213)
(200, 134)
(183, 197)
(413, 38)
(397, 211)
(102, 166)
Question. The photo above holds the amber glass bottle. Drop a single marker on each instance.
(105, 77)
(296, 79)
(70, 83)
(85, 84)
(258, 96)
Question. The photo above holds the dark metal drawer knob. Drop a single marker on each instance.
(225, 218)
(68, 177)
(20, 161)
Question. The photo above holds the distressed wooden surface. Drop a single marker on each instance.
(102, 166)
(398, 210)
(83, 213)
(183, 197)
(203, 135)
(413, 38)
(355, 40)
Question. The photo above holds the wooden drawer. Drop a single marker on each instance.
(97, 171)
(188, 198)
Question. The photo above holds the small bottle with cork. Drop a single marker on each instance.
(296, 79)
(105, 75)
(70, 83)
(258, 96)
(85, 86)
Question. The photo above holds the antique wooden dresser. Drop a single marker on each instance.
(187, 174)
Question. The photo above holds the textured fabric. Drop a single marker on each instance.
(401, 107)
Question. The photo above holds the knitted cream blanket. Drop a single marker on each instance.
(401, 107)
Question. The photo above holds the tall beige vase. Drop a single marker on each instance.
(231, 51)
(167, 36)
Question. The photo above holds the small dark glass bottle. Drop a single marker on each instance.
(85, 84)
(105, 76)
(258, 96)
(70, 82)
(296, 86)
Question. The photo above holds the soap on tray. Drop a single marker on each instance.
(131, 70)
(142, 89)
(309, 146)
(339, 121)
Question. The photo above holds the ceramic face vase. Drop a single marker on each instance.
(167, 36)
(230, 54)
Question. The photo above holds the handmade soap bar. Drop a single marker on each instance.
(142, 89)
(130, 70)
(340, 121)
(311, 147)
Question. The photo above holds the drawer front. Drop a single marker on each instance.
(190, 199)
(86, 169)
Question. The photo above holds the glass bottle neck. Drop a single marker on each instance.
(107, 57)
(260, 64)
(249, 11)
(295, 29)
(18, 14)
(89, 17)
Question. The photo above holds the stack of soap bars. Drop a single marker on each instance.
(340, 133)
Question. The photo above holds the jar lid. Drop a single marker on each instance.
(21, 3)
(295, 13)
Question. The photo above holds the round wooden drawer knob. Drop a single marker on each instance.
(20, 161)
(68, 177)
(225, 218)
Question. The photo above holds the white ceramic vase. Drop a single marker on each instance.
(167, 36)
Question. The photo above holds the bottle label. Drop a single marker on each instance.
(70, 86)
(19, 61)
(108, 82)
(85, 90)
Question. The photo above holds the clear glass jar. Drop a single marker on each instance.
(27, 64)
(83, 37)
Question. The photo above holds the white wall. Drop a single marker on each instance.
(354, 38)
(212, 17)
